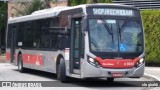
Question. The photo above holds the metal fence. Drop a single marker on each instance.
(141, 4)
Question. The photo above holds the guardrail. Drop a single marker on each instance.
(141, 4)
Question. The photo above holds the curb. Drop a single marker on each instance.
(148, 76)
(5, 64)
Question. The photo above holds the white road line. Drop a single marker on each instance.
(152, 76)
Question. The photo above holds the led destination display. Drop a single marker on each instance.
(117, 12)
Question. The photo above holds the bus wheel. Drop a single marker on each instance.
(110, 79)
(61, 71)
(20, 64)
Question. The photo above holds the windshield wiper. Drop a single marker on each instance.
(110, 31)
(121, 29)
(106, 26)
(125, 23)
(112, 35)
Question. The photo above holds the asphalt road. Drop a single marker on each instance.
(9, 72)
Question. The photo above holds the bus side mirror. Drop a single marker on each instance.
(20, 44)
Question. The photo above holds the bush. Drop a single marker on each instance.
(151, 22)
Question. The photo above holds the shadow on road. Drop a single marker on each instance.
(90, 82)
(39, 73)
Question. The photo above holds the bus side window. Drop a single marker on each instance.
(29, 35)
(20, 33)
(37, 34)
(45, 38)
(54, 40)
(63, 42)
(54, 25)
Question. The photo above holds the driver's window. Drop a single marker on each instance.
(132, 36)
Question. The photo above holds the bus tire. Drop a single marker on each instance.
(20, 64)
(61, 74)
(110, 79)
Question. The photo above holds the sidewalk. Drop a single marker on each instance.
(152, 73)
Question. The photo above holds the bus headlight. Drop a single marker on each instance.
(93, 62)
(140, 62)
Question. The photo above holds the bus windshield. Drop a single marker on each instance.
(125, 36)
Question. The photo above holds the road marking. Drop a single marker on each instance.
(152, 76)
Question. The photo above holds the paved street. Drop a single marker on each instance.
(153, 72)
(9, 72)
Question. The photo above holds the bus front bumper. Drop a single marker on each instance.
(90, 71)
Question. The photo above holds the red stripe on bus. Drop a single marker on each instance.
(33, 59)
(24, 56)
(117, 63)
(8, 55)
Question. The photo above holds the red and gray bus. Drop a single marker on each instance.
(85, 41)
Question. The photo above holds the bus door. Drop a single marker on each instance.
(13, 39)
(75, 46)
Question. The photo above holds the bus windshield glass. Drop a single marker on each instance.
(115, 35)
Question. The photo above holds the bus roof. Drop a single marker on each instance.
(51, 12)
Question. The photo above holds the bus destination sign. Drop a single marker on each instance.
(114, 12)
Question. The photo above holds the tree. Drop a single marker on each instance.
(104, 1)
(99, 1)
(3, 21)
(92, 1)
(55, 1)
(78, 2)
(49, 1)
(69, 3)
(3, 14)
(75, 2)
(29, 8)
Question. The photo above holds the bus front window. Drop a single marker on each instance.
(131, 36)
(109, 35)
(103, 39)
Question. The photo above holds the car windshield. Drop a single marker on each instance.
(111, 35)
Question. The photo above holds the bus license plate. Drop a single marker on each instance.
(117, 74)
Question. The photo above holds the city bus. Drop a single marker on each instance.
(84, 41)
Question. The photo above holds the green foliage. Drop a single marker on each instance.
(30, 8)
(151, 21)
(104, 1)
(3, 14)
(78, 2)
